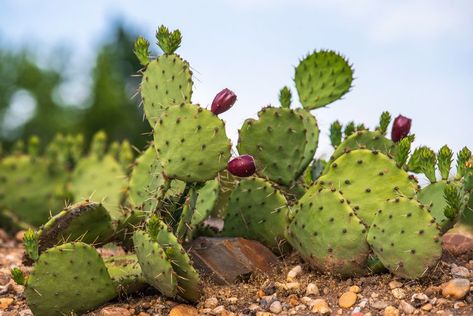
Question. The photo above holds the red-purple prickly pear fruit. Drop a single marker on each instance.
(242, 166)
(223, 101)
(401, 128)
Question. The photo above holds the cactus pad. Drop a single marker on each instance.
(278, 141)
(88, 222)
(100, 179)
(29, 189)
(125, 272)
(257, 211)
(166, 81)
(405, 237)
(147, 184)
(156, 267)
(432, 195)
(365, 140)
(321, 78)
(367, 178)
(191, 143)
(70, 278)
(327, 233)
(207, 197)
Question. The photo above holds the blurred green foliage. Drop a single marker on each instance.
(109, 105)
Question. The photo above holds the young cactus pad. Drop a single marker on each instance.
(405, 237)
(367, 178)
(321, 78)
(282, 141)
(191, 143)
(327, 234)
(257, 211)
(156, 267)
(67, 279)
(86, 221)
(167, 81)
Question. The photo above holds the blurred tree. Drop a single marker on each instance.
(28, 105)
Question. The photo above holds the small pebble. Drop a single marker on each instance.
(183, 310)
(347, 300)
(406, 308)
(219, 310)
(394, 284)
(458, 305)
(232, 300)
(459, 271)
(456, 288)
(355, 289)
(275, 307)
(419, 299)
(5, 302)
(378, 304)
(293, 273)
(211, 302)
(114, 311)
(398, 293)
(312, 289)
(427, 307)
(320, 306)
(391, 311)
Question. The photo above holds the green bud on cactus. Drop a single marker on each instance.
(168, 41)
(462, 158)
(349, 129)
(98, 144)
(403, 149)
(335, 134)
(142, 50)
(384, 121)
(30, 241)
(18, 276)
(444, 161)
(361, 127)
(454, 201)
(153, 227)
(33, 146)
(285, 97)
(423, 160)
(125, 156)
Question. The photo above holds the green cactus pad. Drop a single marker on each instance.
(188, 280)
(321, 78)
(207, 197)
(166, 81)
(278, 142)
(86, 221)
(125, 272)
(67, 279)
(367, 178)
(405, 237)
(312, 137)
(432, 195)
(257, 211)
(29, 189)
(191, 143)
(127, 224)
(100, 180)
(365, 140)
(147, 184)
(156, 267)
(328, 235)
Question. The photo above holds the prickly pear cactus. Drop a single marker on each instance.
(167, 80)
(86, 221)
(191, 143)
(68, 279)
(405, 237)
(367, 178)
(257, 211)
(328, 234)
(282, 141)
(321, 78)
(30, 189)
(155, 264)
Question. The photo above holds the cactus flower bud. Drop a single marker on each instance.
(223, 101)
(401, 128)
(242, 166)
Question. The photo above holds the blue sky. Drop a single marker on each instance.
(410, 56)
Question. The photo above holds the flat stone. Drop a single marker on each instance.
(320, 306)
(456, 288)
(406, 308)
(228, 260)
(347, 300)
(114, 311)
(183, 310)
(391, 311)
(276, 307)
(459, 271)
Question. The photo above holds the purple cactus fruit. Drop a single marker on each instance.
(242, 166)
(223, 101)
(401, 128)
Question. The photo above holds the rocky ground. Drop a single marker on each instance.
(291, 290)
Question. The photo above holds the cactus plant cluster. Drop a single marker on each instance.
(360, 209)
